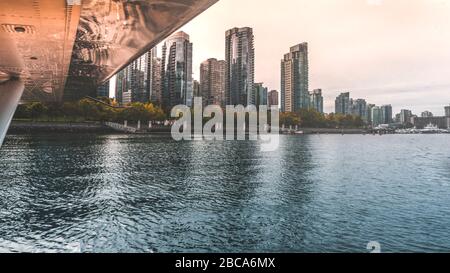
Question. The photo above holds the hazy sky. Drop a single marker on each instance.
(386, 51)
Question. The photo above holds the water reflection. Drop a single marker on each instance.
(119, 193)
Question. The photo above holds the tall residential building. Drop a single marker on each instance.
(386, 114)
(397, 118)
(260, 94)
(177, 71)
(342, 104)
(359, 108)
(376, 116)
(212, 82)
(103, 90)
(369, 113)
(427, 114)
(197, 91)
(273, 98)
(405, 116)
(139, 78)
(240, 66)
(295, 79)
(317, 100)
(136, 80)
(156, 82)
(118, 92)
(447, 111)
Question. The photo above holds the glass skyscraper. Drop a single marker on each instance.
(103, 90)
(156, 80)
(178, 85)
(317, 100)
(260, 93)
(359, 108)
(405, 116)
(342, 104)
(377, 116)
(135, 82)
(240, 70)
(295, 79)
(386, 112)
(212, 82)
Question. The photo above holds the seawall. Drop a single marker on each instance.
(26, 127)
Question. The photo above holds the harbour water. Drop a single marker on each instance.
(316, 193)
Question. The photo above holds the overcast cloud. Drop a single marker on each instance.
(386, 51)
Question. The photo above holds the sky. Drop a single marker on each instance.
(385, 51)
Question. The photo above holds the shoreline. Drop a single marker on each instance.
(28, 127)
(25, 127)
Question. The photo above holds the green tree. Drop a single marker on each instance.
(36, 110)
(89, 109)
(155, 112)
(70, 110)
(290, 119)
(22, 112)
(135, 112)
(53, 110)
(312, 118)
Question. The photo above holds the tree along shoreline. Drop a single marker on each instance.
(103, 110)
(87, 110)
(19, 127)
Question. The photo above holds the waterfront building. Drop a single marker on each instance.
(122, 84)
(197, 89)
(342, 104)
(103, 90)
(440, 122)
(273, 98)
(260, 94)
(359, 108)
(428, 118)
(212, 82)
(240, 66)
(156, 82)
(369, 113)
(139, 79)
(177, 82)
(136, 78)
(386, 114)
(376, 116)
(295, 79)
(405, 116)
(317, 100)
(426, 114)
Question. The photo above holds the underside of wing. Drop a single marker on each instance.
(66, 48)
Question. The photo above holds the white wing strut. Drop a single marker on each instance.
(10, 93)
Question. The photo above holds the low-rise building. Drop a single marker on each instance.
(440, 122)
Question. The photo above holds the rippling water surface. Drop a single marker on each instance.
(318, 193)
